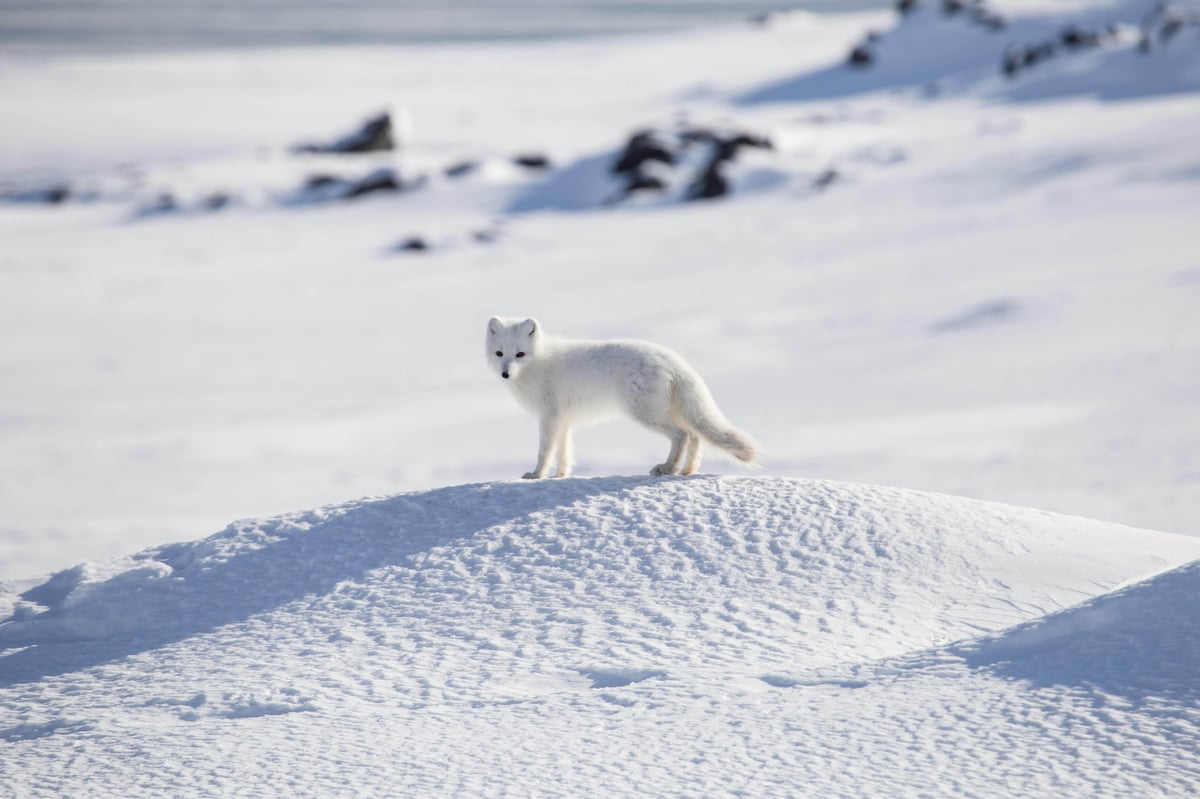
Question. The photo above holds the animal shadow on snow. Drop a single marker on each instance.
(215, 581)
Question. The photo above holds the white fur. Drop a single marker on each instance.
(563, 382)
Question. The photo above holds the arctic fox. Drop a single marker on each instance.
(563, 382)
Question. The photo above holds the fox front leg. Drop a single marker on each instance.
(566, 452)
(549, 439)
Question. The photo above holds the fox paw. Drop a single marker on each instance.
(661, 470)
(531, 476)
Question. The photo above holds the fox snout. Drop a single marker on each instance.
(510, 367)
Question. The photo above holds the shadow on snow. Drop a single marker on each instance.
(253, 568)
(1141, 643)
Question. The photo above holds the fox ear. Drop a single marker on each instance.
(494, 325)
(529, 327)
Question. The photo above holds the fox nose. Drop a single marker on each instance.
(504, 375)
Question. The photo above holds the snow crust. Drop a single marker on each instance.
(630, 636)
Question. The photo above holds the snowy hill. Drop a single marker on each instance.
(623, 637)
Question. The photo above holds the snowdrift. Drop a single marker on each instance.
(453, 623)
(1139, 642)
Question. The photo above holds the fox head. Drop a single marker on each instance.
(511, 344)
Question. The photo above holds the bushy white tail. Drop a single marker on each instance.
(696, 407)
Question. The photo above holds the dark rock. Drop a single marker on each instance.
(640, 181)
(987, 19)
(57, 194)
(484, 236)
(635, 182)
(1164, 22)
(953, 7)
(826, 179)
(643, 146)
(861, 56)
(1038, 53)
(380, 180)
(50, 195)
(413, 244)
(163, 203)
(696, 135)
(728, 147)
(374, 135)
(710, 183)
(217, 200)
(323, 187)
(725, 146)
(1018, 58)
(906, 6)
(1170, 27)
(322, 181)
(532, 161)
(460, 169)
(651, 156)
(1011, 63)
(1076, 38)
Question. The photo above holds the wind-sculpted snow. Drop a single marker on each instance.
(1139, 643)
(692, 636)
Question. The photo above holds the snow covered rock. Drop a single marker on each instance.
(686, 162)
(373, 135)
(324, 187)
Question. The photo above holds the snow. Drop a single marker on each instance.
(977, 289)
(989, 297)
(97, 25)
(682, 636)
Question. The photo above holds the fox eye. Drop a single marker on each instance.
(499, 354)
(520, 355)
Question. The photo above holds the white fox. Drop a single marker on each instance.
(563, 382)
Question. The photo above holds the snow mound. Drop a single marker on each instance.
(774, 560)
(440, 626)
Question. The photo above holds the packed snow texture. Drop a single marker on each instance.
(702, 636)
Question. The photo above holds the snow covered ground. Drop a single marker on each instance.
(938, 278)
(995, 296)
(707, 636)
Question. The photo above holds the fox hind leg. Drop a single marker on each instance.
(691, 454)
(651, 408)
(679, 441)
